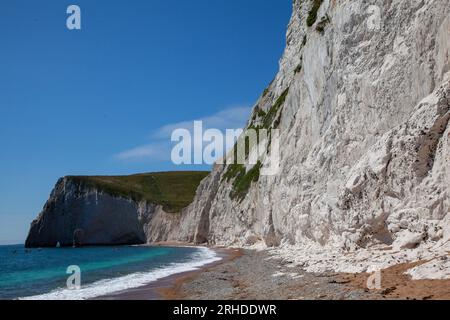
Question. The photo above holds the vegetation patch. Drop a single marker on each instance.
(244, 180)
(312, 16)
(237, 173)
(322, 24)
(260, 112)
(271, 114)
(172, 190)
(234, 170)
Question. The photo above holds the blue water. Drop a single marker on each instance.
(42, 272)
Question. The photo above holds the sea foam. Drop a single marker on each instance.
(109, 286)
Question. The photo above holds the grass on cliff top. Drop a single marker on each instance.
(173, 190)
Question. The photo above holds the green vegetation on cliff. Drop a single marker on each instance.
(173, 190)
(312, 16)
(243, 181)
(236, 172)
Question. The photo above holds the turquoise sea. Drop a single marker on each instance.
(42, 273)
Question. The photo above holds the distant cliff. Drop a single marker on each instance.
(113, 210)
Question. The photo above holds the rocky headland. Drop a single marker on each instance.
(362, 102)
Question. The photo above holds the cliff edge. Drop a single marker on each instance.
(362, 102)
(122, 210)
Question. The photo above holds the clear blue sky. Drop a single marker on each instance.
(96, 101)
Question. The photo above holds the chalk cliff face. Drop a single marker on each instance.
(365, 135)
(362, 102)
(79, 215)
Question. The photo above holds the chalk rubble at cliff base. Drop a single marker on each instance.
(315, 258)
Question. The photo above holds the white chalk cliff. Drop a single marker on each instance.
(362, 102)
(365, 136)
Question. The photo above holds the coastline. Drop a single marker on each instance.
(256, 275)
(244, 274)
(166, 288)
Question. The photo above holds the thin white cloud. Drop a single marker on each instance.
(160, 145)
(231, 118)
(152, 151)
